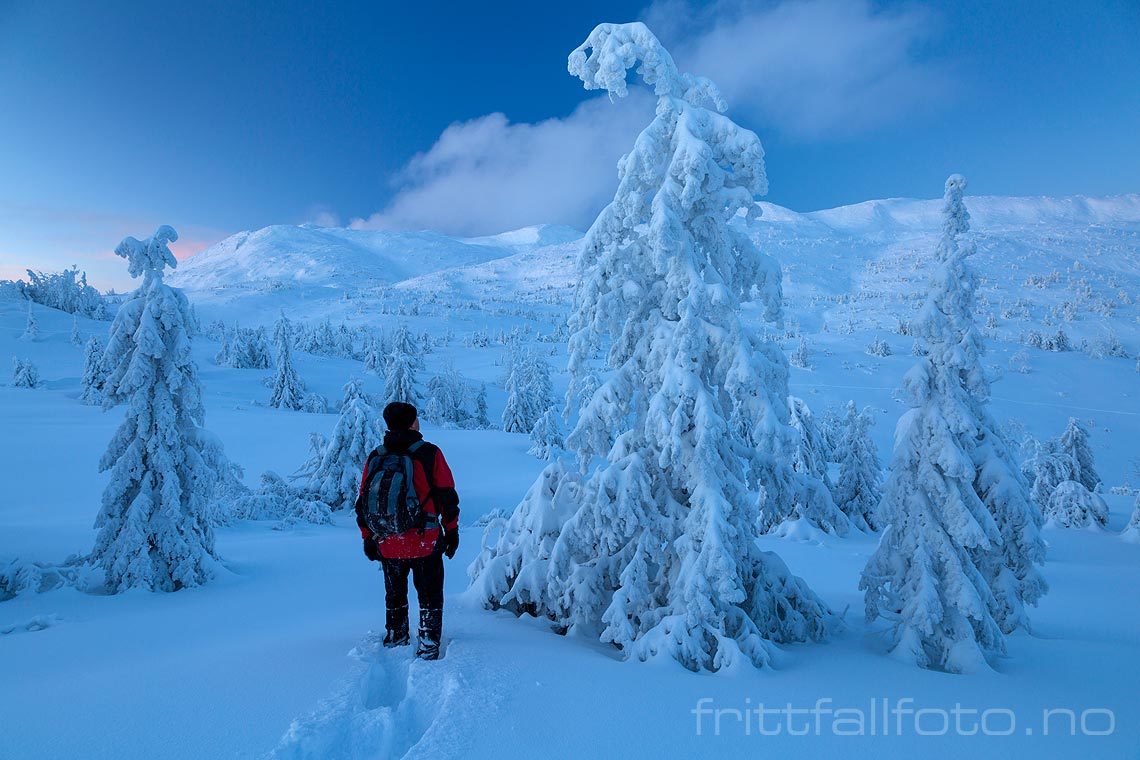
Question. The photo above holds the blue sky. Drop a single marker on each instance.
(221, 116)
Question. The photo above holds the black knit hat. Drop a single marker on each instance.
(399, 416)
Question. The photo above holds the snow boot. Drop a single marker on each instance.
(431, 625)
(396, 627)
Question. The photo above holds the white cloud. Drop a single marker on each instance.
(488, 175)
(810, 69)
(807, 69)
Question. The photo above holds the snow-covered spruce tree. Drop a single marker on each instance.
(1071, 505)
(958, 560)
(76, 336)
(401, 369)
(1051, 467)
(25, 374)
(546, 437)
(529, 391)
(1132, 531)
(656, 551)
(94, 376)
(31, 327)
(481, 421)
(1075, 445)
(518, 413)
(222, 358)
(539, 386)
(357, 432)
(288, 389)
(447, 399)
(373, 355)
(249, 349)
(801, 357)
(809, 454)
(153, 528)
(858, 490)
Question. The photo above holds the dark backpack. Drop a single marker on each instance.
(390, 505)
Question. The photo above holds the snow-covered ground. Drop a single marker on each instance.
(281, 652)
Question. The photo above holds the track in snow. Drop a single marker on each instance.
(394, 706)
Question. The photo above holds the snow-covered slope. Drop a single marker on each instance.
(308, 255)
(536, 258)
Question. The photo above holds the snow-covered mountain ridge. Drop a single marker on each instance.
(339, 257)
(1037, 256)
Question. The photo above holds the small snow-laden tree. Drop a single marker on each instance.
(540, 387)
(831, 429)
(1019, 362)
(94, 375)
(153, 530)
(276, 499)
(358, 431)
(878, 347)
(306, 473)
(518, 413)
(31, 326)
(76, 336)
(958, 562)
(1051, 467)
(306, 341)
(288, 390)
(801, 357)
(67, 291)
(25, 374)
(809, 455)
(249, 349)
(1074, 444)
(655, 550)
(315, 403)
(1131, 533)
(1071, 505)
(374, 355)
(222, 358)
(529, 391)
(447, 399)
(229, 486)
(546, 436)
(481, 420)
(402, 367)
(859, 487)
(324, 338)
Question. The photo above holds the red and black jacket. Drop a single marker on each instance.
(435, 488)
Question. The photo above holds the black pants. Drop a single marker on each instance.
(427, 576)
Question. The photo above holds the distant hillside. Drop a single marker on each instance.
(1040, 261)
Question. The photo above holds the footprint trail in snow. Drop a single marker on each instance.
(394, 706)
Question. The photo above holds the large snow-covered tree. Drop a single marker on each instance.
(858, 489)
(153, 530)
(958, 560)
(288, 391)
(358, 430)
(655, 551)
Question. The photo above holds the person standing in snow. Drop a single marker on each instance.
(408, 512)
